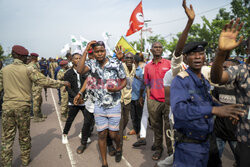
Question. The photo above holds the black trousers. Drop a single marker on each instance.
(88, 122)
(242, 155)
(125, 110)
(136, 114)
(214, 158)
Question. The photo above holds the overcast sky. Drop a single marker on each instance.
(45, 26)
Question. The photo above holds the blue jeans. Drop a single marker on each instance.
(221, 145)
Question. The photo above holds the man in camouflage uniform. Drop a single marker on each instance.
(51, 68)
(36, 91)
(16, 80)
(64, 93)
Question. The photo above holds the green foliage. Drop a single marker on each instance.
(240, 9)
(150, 40)
(210, 30)
(1, 53)
(138, 44)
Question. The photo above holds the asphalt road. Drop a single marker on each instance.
(48, 150)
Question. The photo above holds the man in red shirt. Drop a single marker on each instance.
(157, 108)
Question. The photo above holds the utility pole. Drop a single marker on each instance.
(146, 29)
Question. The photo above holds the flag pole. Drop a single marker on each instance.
(141, 41)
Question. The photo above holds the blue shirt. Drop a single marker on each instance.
(137, 84)
(192, 104)
(56, 71)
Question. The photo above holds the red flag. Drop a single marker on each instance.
(136, 20)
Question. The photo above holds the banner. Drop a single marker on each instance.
(136, 22)
(125, 45)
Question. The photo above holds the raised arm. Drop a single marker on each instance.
(181, 42)
(227, 42)
(81, 68)
(119, 53)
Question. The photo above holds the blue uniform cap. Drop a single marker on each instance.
(194, 47)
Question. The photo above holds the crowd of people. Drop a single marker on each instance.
(197, 107)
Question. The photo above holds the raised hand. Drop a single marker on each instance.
(189, 12)
(88, 47)
(227, 39)
(118, 52)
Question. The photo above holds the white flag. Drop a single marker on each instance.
(84, 41)
(74, 41)
(65, 49)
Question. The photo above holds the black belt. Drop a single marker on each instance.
(182, 138)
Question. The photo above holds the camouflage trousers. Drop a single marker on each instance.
(158, 113)
(37, 101)
(64, 102)
(13, 119)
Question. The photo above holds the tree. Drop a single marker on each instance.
(210, 31)
(1, 53)
(240, 9)
(150, 40)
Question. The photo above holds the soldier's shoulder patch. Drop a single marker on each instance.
(183, 74)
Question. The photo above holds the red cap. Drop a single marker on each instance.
(34, 54)
(90, 51)
(63, 62)
(20, 50)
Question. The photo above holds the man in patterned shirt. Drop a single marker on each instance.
(108, 79)
(238, 77)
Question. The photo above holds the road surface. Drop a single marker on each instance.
(48, 150)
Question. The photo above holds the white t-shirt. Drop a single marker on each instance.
(168, 77)
(167, 80)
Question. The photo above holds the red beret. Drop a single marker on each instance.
(20, 50)
(90, 51)
(63, 62)
(34, 54)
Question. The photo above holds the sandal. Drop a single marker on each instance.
(157, 155)
(80, 149)
(111, 150)
(118, 156)
(132, 132)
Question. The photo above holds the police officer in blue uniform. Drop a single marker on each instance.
(193, 110)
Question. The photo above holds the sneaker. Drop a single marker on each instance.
(140, 142)
(64, 139)
(89, 140)
(167, 161)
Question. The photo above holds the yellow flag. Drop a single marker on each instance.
(125, 45)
